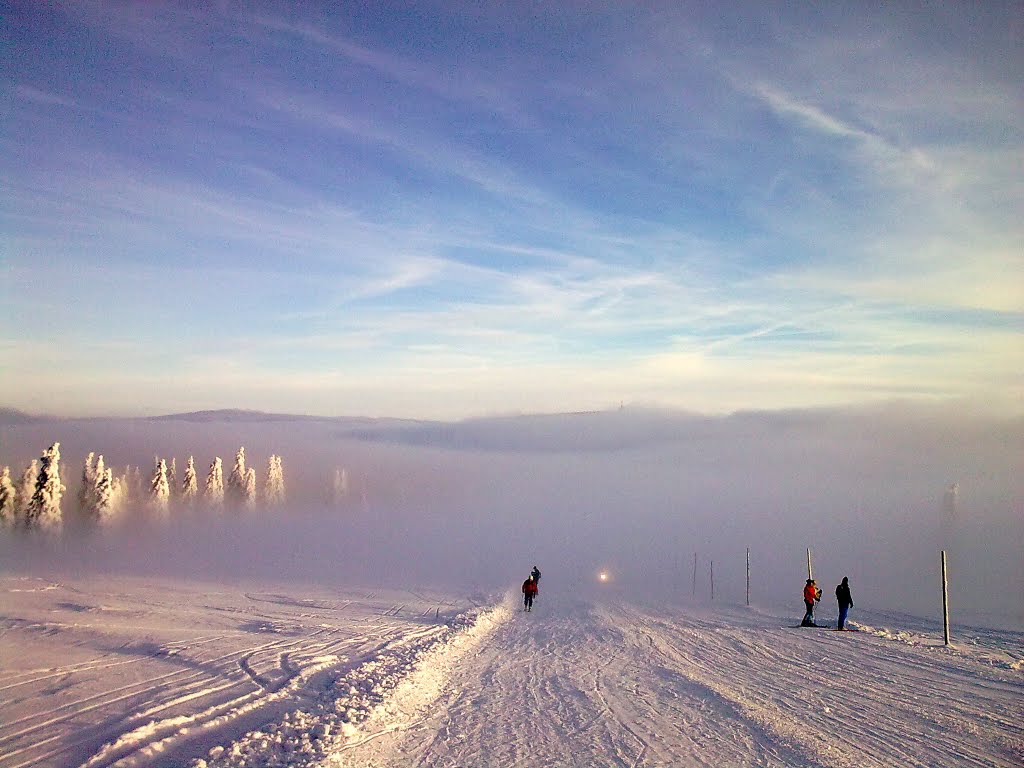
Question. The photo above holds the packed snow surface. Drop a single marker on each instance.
(125, 672)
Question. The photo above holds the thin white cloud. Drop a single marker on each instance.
(438, 155)
(416, 73)
(38, 96)
(808, 114)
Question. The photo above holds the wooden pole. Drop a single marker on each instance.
(712, 579)
(809, 574)
(945, 601)
(694, 574)
(748, 576)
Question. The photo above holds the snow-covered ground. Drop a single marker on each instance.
(106, 671)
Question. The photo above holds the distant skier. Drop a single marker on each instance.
(529, 593)
(535, 573)
(845, 601)
(812, 595)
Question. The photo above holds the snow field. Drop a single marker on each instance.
(611, 683)
(165, 674)
(129, 672)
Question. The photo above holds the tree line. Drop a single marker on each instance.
(34, 501)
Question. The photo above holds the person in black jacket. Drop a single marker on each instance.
(845, 601)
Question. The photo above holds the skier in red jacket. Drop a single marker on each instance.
(529, 592)
(812, 594)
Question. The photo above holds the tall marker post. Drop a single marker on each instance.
(945, 601)
(748, 577)
(694, 574)
(712, 580)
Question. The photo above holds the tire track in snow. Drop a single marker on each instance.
(138, 745)
(172, 692)
(115, 695)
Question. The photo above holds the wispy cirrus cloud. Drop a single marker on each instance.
(719, 214)
(451, 83)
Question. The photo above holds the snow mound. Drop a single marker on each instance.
(973, 646)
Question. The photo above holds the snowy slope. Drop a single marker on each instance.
(607, 683)
(144, 673)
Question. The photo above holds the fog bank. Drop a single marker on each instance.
(472, 505)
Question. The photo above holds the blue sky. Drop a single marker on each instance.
(451, 209)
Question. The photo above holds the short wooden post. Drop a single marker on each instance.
(748, 576)
(945, 601)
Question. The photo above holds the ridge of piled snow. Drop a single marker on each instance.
(970, 646)
(379, 696)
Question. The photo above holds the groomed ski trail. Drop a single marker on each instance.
(611, 684)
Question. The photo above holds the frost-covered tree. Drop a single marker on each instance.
(108, 495)
(249, 500)
(8, 499)
(26, 488)
(87, 490)
(159, 489)
(340, 489)
(189, 484)
(214, 494)
(88, 496)
(136, 481)
(172, 476)
(236, 481)
(126, 485)
(44, 508)
(273, 487)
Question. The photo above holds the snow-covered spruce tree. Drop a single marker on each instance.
(137, 486)
(189, 484)
(126, 485)
(44, 508)
(236, 481)
(88, 500)
(172, 477)
(100, 467)
(108, 492)
(273, 487)
(87, 490)
(159, 490)
(214, 494)
(26, 488)
(249, 501)
(117, 495)
(340, 490)
(8, 499)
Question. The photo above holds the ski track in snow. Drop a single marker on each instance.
(123, 678)
(389, 679)
(612, 684)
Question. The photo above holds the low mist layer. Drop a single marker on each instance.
(634, 493)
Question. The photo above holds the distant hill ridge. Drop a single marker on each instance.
(12, 417)
(236, 415)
